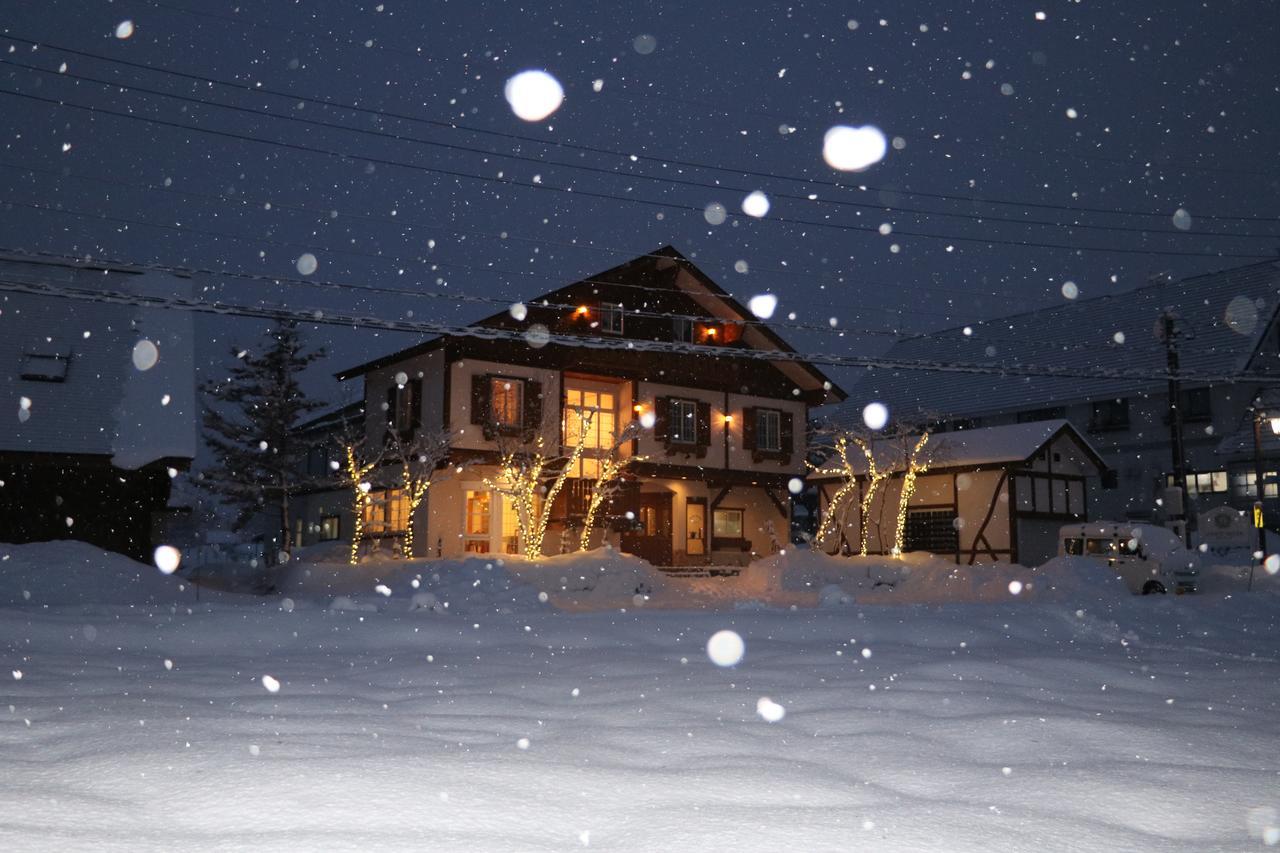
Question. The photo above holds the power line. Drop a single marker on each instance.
(612, 173)
(241, 21)
(500, 301)
(403, 222)
(320, 317)
(989, 241)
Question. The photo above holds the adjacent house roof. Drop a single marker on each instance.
(69, 367)
(663, 281)
(973, 448)
(1222, 316)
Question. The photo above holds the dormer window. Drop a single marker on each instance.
(610, 319)
(682, 330)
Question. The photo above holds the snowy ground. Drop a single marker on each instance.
(1072, 721)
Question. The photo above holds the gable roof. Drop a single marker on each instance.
(986, 446)
(667, 283)
(74, 362)
(1224, 316)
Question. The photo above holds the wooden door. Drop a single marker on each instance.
(652, 539)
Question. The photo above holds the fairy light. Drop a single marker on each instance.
(914, 467)
(356, 472)
(875, 477)
(610, 469)
(519, 477)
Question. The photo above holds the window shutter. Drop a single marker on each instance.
(704, 427)
(532, 414)
(414, 401)
(389, 420)
(749, 416)
(786, 436)
(662, 419)
(479, 399)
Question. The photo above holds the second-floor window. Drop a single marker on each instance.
(683, 423)
(1196, 404)
(611, 318)
(506, 401)
(404, 408)
(682, 330)
(1110, 415)
(768, 429)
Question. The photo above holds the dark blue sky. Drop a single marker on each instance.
(1175, 107)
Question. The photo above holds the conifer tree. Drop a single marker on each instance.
(249, 416)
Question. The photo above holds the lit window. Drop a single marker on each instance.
(330, 528)
(477, 522)
(506, 401)
(768, 429)
(727, 524)
(601, 403)
(684, 421)
(387, 511)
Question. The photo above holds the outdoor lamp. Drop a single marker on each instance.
(1275, 426)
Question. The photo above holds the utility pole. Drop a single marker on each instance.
(1169, 332)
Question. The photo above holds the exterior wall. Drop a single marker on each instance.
(429, 367)
(1037, 540)
(468, 435)
(729, 455)
(971, 495)
(312, 508)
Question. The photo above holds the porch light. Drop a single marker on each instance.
(638, 408)
(729, 419)
(582, 311)
(711, 333)
(1275, 426)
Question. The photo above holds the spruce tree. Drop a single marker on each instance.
(259, 463)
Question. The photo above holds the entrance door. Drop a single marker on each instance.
(652, 541)
(695, 527)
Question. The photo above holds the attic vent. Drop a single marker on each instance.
(39, 367)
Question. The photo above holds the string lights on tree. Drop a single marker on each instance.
(914, 466)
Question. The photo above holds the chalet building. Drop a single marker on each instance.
(1224, 323)
(104, 397)
(722, 434)
(989, 495)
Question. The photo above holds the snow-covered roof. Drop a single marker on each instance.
(68, 367)
(972, 448)
(1222, 315)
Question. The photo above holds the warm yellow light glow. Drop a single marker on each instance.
(914, 467)
(638, 407)
(728, 419)
(711, 333)
(583, 311)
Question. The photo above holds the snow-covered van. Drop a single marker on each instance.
(1149, 559)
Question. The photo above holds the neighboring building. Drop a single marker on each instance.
(728, 432)
(996, 494)
(323, 511)
(1225, 325)
(104, 404)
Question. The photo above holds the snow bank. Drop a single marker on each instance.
(69, 574)
(601, 579)
(920, 578)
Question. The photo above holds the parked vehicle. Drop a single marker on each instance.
(1149, 559)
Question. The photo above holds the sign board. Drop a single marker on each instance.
(1226, 527)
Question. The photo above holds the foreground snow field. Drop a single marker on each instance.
(501, 723)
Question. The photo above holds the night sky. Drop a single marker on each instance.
(1089, 114)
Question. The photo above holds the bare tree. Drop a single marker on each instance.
(531, 480)
(608, 480)
(421, 461)
(361, 460)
